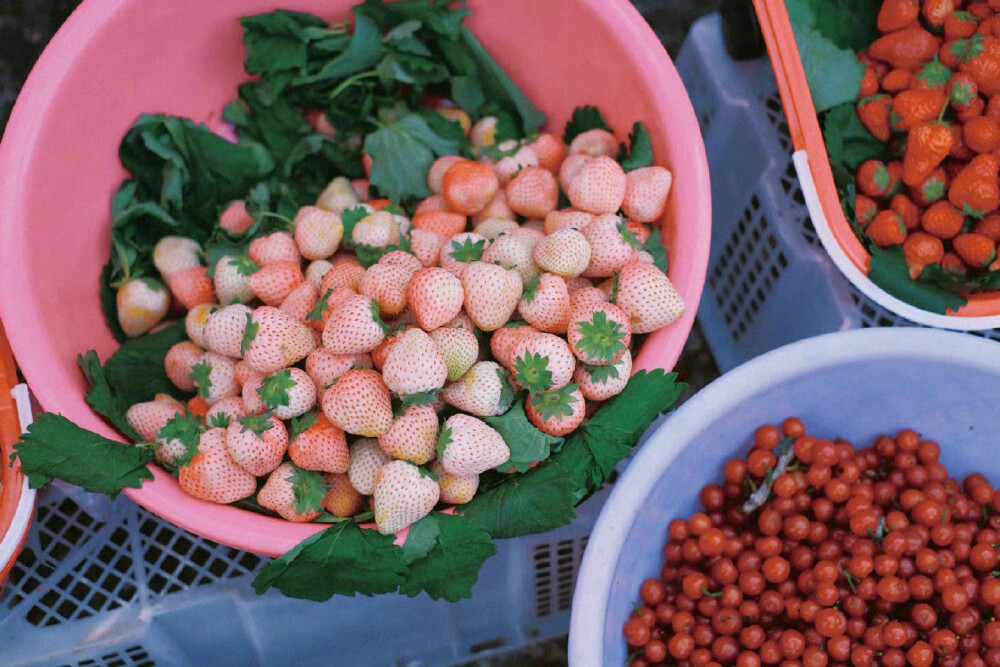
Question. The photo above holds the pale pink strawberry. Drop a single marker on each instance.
(288, 393)
(405, 319)
(381, 353)
(386, 284)
(497, 208)
(404, 494)
(230, 279)
(459, 347)
(542, 362)
(533, 192)
(235, 218)
(470, 446)
(316, 271)
(565, 253)
(599, 333)
(550, 149)
(585, 296)
(276, 247)
(275, 281)
(148, 418)
(226, 411)
(318, 232)
(316, 444)
(244, 373)
(640, 256)
(462, 321)
(214, 377)
(598, 187)
(545, 304)
(225, 329)
(484, 391)
(557, 412)
(599, 383)
(257, 443)
(250, 393)
(577, 283)
(192, 287)
(415, 364)
(535, 227)
(594, 143)
(179, 361)
(362, 189)
(503, 341)
(346, 272)
(378, 230)
(295, 494)
(435, 175)
(195, 321)
(212, 475)
(355, 326)
(513, 252)
(484, 131)
(648, 297)
(326, 302)
(455, 489)
(402, 259)
(510, 165)
(174, 254)
(342, 500)
(300, 301)
(436, 297)
(611, 245)
(141, 304)
(491, 294)
(367, 459)
(402, 223)
(274, 340)
(412, 436)
(493, 228)
(177, 404)
(567, 218)
(323, 366)
(426, 246)
(569, 169)
(360, 403)
(338, 196)
(432, 203)
(646, 192)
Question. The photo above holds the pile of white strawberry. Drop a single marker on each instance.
(327, 378)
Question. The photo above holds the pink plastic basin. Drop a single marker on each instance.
(116, 59)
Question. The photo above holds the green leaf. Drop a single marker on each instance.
(274, 391)
(446, 561)
(848, 141)
(834, 74)
(655, 247)
(527, 444)
(850, 24)
(350, 218)
(888, 270)
(363, 52)
(506, 391)
(344, 559)
(467, 93)
(402, 154)
(584, 119)
(640, 151)
(56, 448)
(321, 308)
(444, 439)
(277, 41)
(539, 501)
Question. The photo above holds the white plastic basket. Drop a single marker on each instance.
(770, 280)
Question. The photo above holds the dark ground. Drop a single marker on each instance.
(27, 25)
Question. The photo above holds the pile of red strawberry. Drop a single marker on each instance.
(326, 378)
(930, 92)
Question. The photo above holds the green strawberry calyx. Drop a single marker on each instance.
(302, 424)
(249, 335)
(601, 339)
(377, 318)
(444, 439)
(602, 374)
(967, 50)
(310, 489)
(531, 290)
(555, 404)
(258, 424)
(201, 374)
(628, 237)
(421, 399)
(532, 372)
(220, 420)
(274, 390)
(321, 307)
(183, 429)
(506, 392)
(468, 251)
(244, 265)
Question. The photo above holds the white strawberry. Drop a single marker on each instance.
(225, 329)
(514, 252)
(545, 304)
(599, 383)
(542, 362)
(195, 321)
(174, 254)
(404, 494)
(230, 279)
(455, 489)
(295, 494)
(214, 377)
(275, 340)
(323, 366)
(491, 294)
(459, 347)
(354, 327)
(226, 411)
(316, 271)
(648, 297)
(148, 418)
(484, 391)
(412, 436)
(367, 459)
(470, 446)
(415, 364)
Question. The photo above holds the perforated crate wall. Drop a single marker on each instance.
(770, 282)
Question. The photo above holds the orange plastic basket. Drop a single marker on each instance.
(17, 501)
(816, 177)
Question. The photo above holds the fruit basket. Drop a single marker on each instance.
(982, 311)
(17, 501)
(828, 382)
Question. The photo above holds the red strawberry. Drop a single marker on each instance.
(195, 321)
(214, 375)
(932, 75)
(906, 48)
(914, 107)
(545, 304)
(342, 500)
(887, 229)
(931, 189)
(274, 340)
(367, 459)
(225, 329)
(455, 489)
(459, 347)
(611, 243)
(975, 187)
(542, 362)
(936, 11)
(491, 294)
(148, 418)
(962, 91)
(142, 303)
(566, 253)
(599, 334)
(345, 273)
(897, 81)
(874, 115)
(412, 436)
(212, 475)
(179, 361)
(257, 443)
(514, 251)
(503, 341)
(436, 297)
(276, 247)
(359, 402)
(275, 281)
(174, 254)
(230, 279)
(484, 391)
(404, 494)
(926, 148)
(959, 25)
(235, 218)
(896, 14)
(648, 297)
(557, 412)
(907, 210)
(599, 186)
(354, 327)
(979, 56)
(197, 408)
(869, 82)
(295, 494)
(599, 383)
(226, 411)
(469, 446)
(318, 232)
(976, 250)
